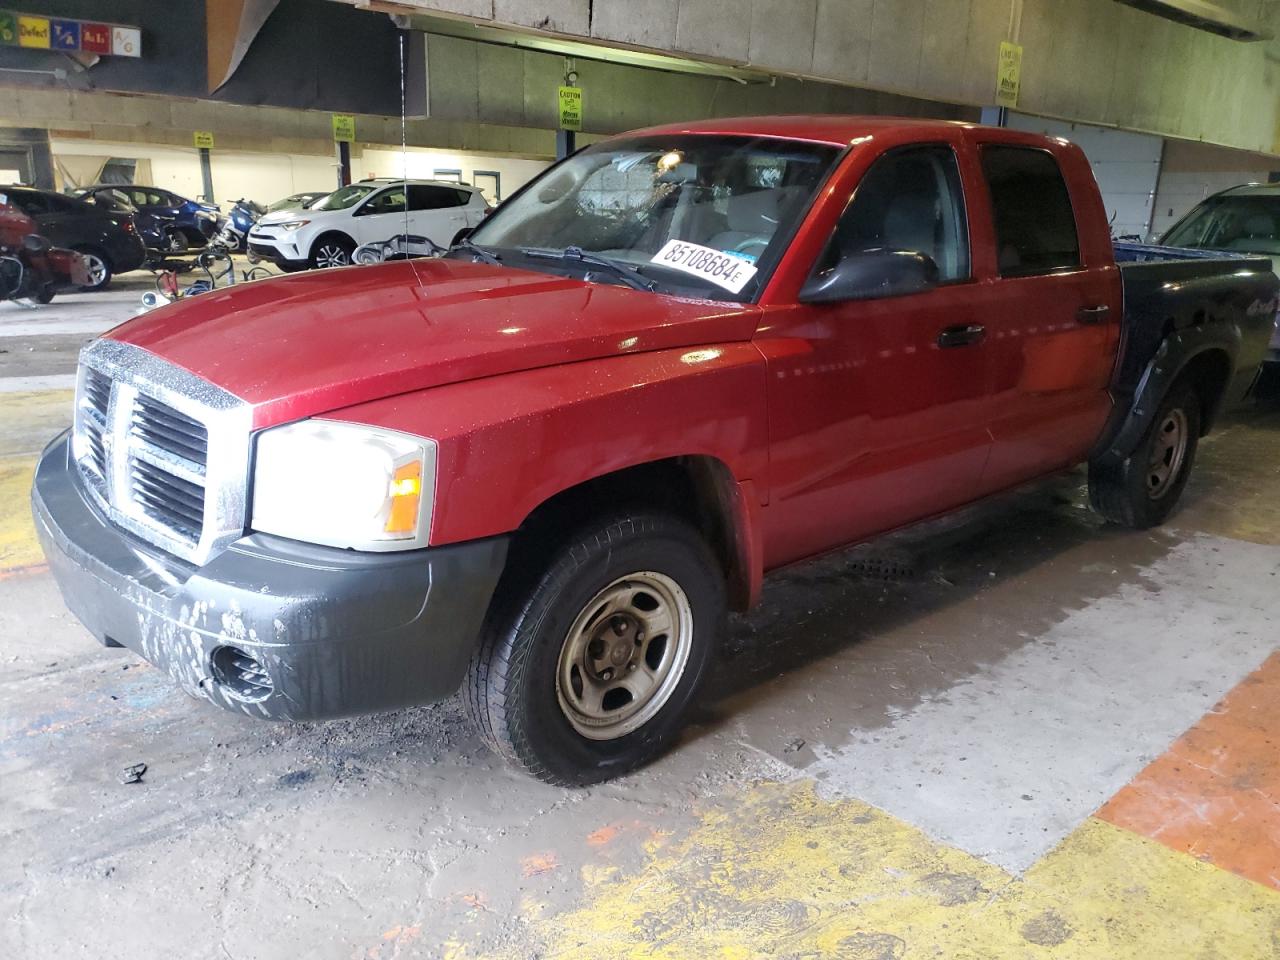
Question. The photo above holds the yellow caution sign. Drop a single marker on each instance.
(570, 108)
(344, 128)
(1008, 74)
(204, 139)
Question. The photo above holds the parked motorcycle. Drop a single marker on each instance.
(244, 214)
(30, 267)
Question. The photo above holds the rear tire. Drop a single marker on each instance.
(1143, 490)
(99, 269)
(566, 683)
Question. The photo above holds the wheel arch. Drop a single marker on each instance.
(700, 489)
(1208, 364)
(330, 233)
(98, 251)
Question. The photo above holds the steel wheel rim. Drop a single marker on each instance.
(331, 255)
(1167, 454)
(97, 269)
(624, 655)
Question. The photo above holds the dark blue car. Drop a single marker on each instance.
(166, 220)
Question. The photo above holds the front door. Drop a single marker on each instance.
(381, 217)
(878, 408)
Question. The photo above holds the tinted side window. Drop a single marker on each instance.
(389, 201)
(61, 204)
(32, 204)
(909, 200)
(1035, 225)
(423, 197)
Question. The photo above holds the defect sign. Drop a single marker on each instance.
(344, 128)
(33, 32)
(570, 108)
(1008, 74)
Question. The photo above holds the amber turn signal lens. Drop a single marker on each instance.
(406, 494)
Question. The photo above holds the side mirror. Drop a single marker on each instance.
(869, 274)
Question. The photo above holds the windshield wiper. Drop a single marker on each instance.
(629, 275)
(477, 251)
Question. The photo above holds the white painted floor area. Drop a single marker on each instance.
(1007, 763)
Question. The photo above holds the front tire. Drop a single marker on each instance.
(1142, 490)
(331, 251)
(588, 665)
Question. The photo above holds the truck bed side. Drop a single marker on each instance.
(1216, 312)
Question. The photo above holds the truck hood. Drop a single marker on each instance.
(310, 343)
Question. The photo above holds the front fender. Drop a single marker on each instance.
(510, 443)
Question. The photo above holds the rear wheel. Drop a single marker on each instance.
(587, 667)
(99, 269)
(331, 251)
(1142, 490)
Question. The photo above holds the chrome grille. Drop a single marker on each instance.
(165, 428)
(164, 453)
(91, 416)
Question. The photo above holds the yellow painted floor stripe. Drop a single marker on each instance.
(784, 873)
(19, 549)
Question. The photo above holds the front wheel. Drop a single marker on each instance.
(331, 251)
(1142, 490)
(587, 670)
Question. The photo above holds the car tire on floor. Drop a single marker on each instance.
(99, 269)
(589, 667)
(1142, 490)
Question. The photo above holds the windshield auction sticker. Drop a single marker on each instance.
(726, 270)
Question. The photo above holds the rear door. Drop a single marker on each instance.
(438, 212)
(1053, 310)
(878, 407)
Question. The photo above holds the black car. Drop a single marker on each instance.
(179, 222)
(109, 240)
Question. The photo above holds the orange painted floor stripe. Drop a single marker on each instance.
(1215, 794)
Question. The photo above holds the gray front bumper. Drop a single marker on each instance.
(338, 632)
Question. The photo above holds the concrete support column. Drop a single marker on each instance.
(344, 163)
(566, 143)
(27, 150)
(206, 174)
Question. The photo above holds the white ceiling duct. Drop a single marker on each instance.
(1203, 15)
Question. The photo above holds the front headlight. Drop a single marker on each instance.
(344, 485)
(292, 224)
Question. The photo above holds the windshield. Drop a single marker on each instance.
(288, 203)
(1244, 222)
(345, 197)
(704, 215)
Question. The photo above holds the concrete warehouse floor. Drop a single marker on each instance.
(1016, 733)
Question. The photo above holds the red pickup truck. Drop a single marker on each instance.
(543, 466)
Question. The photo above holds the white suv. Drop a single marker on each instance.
(326, 234)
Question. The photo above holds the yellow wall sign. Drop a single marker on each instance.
(204, 139)
(33, 32)
(1008, 74)
(570, 108)
(344, 128)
